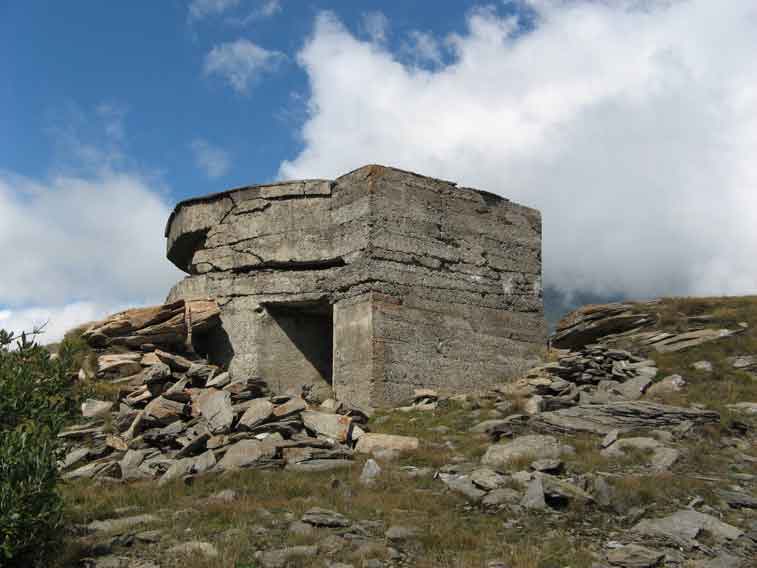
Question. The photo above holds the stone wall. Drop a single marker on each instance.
(428, 284)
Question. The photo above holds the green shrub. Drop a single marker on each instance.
(35, 401)
(30, 506)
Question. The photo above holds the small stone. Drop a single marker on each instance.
(282, 557)
(219, 381)
(369, 443)
(292, 406)
(335, 426)
(371, 471)
(398, 533)
(242, 454)
(534, 497)
(164, 410)
(224, 496)
(610, 438)
(548, 465)
(635, 556)
(501, 496)
(704, 366)
(301, 529)
(258, 411)
(122, 524)
(487, 479)
(194, 547)
(215, 407)
(535, 405)
(158, 373)
(92, 407)
(531, 446)
(325, 518)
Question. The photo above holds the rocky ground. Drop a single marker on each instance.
(633, 446)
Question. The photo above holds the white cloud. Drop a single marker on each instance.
(95, 238)
(214, 161)
(376, 26)
(632, 126)
(240, 62)
(57, 320)
(200, 9)
(85, 240)
(423, 47)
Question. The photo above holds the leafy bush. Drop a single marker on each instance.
(35, 400)
(30, 506)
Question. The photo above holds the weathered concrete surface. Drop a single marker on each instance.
(379, 282)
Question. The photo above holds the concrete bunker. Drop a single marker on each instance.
(373, 284)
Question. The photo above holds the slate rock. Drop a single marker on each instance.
(121, 524)
(684, 526)
(244, 453)
(194, 547)
(333, 426)
(91, 407)
(258, 411)
(369, 443)
(371, 472)
(325, 518)
(282, 557)
(157, 373)
(532, 446)
(635, 556)
(622, 416)
(215, 407)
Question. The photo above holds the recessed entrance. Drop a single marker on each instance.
(297, 344)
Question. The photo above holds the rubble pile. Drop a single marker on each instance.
(593, 375)
(177, 415)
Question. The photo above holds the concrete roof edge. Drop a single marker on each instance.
(224, 193)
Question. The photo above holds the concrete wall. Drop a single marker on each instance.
(432, 285)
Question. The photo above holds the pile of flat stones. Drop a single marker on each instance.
(592, 375)
(177, 416)
(186, 417)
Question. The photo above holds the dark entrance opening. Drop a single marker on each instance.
(299, 343)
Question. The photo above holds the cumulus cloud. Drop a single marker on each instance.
(240, 62)
(423, 47)
(631, 125)
(214, 161)
(84, 240)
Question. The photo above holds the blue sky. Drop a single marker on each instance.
(64, 60)
(631, 124)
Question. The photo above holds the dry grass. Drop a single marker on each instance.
(451, 535)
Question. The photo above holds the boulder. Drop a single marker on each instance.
(370, 443)
(683, 528)
(525, 447)
(622, 416)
